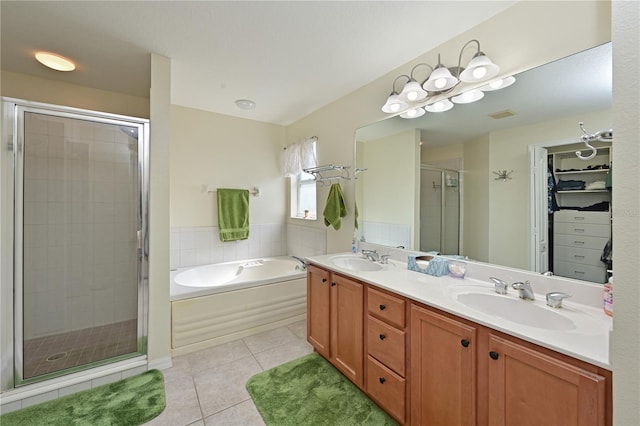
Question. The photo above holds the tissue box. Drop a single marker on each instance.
(431, 265)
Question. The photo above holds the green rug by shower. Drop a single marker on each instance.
(129, 402)
(310, 391)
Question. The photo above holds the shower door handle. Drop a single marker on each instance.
(139, 239)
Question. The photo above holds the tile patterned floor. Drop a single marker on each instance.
(208, 387)
(65, 350)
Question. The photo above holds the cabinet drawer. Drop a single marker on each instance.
(386, 388)
(580, 241)
(386, 344)
(577, 255)
(387, 307)
(596, 274)
(589, 229)
(575, 216)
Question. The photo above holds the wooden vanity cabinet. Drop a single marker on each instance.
(386, 348)
(443, 369)
(527, 386)
(335, 320)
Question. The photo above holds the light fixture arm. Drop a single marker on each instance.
(459, 69)
(421, 64)
(398, 77)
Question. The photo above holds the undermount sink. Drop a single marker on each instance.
(356, 263)
(516, 310)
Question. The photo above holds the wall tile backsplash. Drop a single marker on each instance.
(388, 234)
(201, 245)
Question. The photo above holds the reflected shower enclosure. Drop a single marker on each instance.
(79, 258)
(439, 210)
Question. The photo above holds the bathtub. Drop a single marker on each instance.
(215, 304)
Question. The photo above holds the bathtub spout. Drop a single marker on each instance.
(303, 264)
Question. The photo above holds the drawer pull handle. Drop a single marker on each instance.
(465, 343)
(494, 355)
(578, 256)
(383, 307)
(324, 280)
(382, 336)
(578, 229)
(579, 272)
(578, 242)
(578, 217)
(333, 284)
(382, 380)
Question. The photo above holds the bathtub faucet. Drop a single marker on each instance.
(303, 264)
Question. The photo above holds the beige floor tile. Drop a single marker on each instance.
(182, 404)
(276, 356)
(180, 369)
(223, 387)
(243, 414)
(217, 355)
(270, 339)
(198, 423)
(299, 329)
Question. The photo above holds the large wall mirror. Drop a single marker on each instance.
(433, 183)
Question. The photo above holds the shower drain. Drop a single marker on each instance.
(57, 356)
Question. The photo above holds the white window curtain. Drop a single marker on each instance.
(300, 155)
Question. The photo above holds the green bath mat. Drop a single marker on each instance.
(129, 402)
(310, 391)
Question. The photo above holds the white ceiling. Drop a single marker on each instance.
(290, 57)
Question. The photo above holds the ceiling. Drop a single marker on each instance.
(570, 86)
(290, 57)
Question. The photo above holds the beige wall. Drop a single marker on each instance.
(437, 154)
(625, 344)
(224, 152)
(475, 199)
(22, 86)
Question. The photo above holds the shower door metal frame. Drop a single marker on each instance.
(443, 197)
(15, 109)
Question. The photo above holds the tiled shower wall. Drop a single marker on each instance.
(201, 245)
(80, 268)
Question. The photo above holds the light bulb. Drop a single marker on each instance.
(496, 84)
(394, 107)
(412, 113)
(467, 96)
(412, 96)
(479, 72)
(440, 83)
(438, 106)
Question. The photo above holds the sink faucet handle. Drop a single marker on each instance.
(384, 258)
(501, 286)
(555, 298)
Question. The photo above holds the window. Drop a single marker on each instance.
(303, 196)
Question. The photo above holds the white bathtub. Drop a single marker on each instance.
(214, 304)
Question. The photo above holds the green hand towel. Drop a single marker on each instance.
(335, 208)
(233, 214)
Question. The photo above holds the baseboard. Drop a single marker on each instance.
(161, 363)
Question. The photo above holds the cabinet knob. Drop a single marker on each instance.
(382, 380)
(494, 355)
(382, 336)
(324, 280)
(465, 343)
(383, 307)
(332, 284)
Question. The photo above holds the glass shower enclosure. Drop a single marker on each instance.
(439, 210)
(79, 239)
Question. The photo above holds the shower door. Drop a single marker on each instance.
(79, 258)
(439, 210)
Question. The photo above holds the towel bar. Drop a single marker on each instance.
(255, 191)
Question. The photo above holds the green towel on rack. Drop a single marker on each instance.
(335, 208)
(233, 214)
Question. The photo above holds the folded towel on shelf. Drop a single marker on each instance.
(570, 185)
(233, 214)
(599, 184)
(335, 209)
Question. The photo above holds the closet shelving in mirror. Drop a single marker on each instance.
(329, 173)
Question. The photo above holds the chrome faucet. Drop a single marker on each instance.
(501, 286)
(384, 258)
(303, 264)
(554, 299)
(524, 289)
(371, 255)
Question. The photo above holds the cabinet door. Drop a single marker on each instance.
(443, 370)
(527, 387)
(318, 303)
(346, 327)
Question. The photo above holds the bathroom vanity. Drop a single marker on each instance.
(442, 350)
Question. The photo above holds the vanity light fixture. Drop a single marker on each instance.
(443, 80)
(55, 61)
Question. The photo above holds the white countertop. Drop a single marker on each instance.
(587, 341)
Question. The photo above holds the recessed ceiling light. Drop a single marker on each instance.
(56, 62)
(245, 104)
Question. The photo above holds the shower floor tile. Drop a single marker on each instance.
(47, 354)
